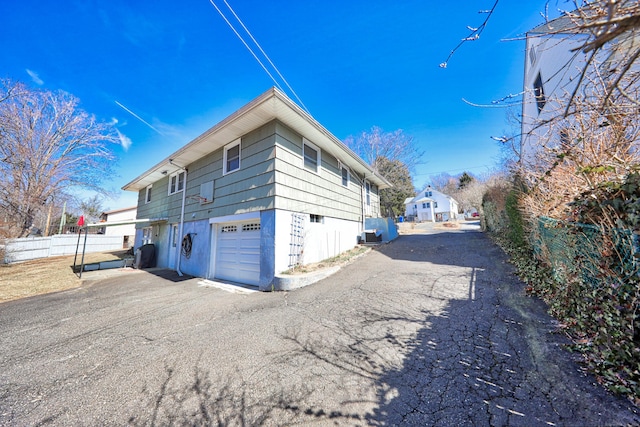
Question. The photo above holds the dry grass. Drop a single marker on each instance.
(42, 276)
(341, 259)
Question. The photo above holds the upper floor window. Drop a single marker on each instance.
(345, 176)
(147, 194)
(538, 92)
(176, 182)
(367, 190)
(428, 194)
(232, 157)
(311, 156)
(532, 55)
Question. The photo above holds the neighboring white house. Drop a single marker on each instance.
(266, 189)
(553, 65)
(431, 205)
(127, 230)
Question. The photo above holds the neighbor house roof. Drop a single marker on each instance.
(130, 208)
(272, 104)
(419, 198)
(560, 25)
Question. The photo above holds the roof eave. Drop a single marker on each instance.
(256, 113)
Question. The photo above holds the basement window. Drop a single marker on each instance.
(316, 218)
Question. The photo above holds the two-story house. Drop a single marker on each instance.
(266, 189)
(431, 205)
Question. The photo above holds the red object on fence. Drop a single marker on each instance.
(81, 221)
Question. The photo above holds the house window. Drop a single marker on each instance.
(532, 55)
(564, 139)
(316, 218)
(428, 194)
(232, 157)
(435, 205)
(345, 176)
(176, 182)
(538, 92)
(311, 155)
(424, 206)
(174, 235)
(147, 235)
(147, 195)
(367, 190)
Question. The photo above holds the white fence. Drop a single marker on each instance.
(61, 244)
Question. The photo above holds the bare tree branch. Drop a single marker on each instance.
(48, 148)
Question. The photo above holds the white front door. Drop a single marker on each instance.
(238, 252)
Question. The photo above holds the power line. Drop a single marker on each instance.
(267, 56)
(246, 45)
(253, 53)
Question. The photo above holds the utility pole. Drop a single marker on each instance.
(63, 218)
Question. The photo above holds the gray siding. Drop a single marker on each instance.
(300, 190)
(271, 176)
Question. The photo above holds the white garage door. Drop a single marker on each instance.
(238, 252)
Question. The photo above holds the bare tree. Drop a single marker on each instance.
(378, 144)
(444, 182)
(393, 155)
(92, 208)
(48, 148)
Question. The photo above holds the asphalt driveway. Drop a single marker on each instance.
(432, 329)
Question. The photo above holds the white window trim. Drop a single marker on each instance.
(318, 157)
(177, 175)
(148, 194)
(227, 147)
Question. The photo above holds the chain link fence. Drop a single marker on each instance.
(586, 251)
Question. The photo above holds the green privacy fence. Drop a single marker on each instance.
(586, 251)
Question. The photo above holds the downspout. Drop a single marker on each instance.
(362, 200)
(181, 229)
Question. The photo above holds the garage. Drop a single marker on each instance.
(238, 252)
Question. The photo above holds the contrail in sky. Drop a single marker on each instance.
(138, 117)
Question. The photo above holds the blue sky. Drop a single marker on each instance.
(167, 71)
